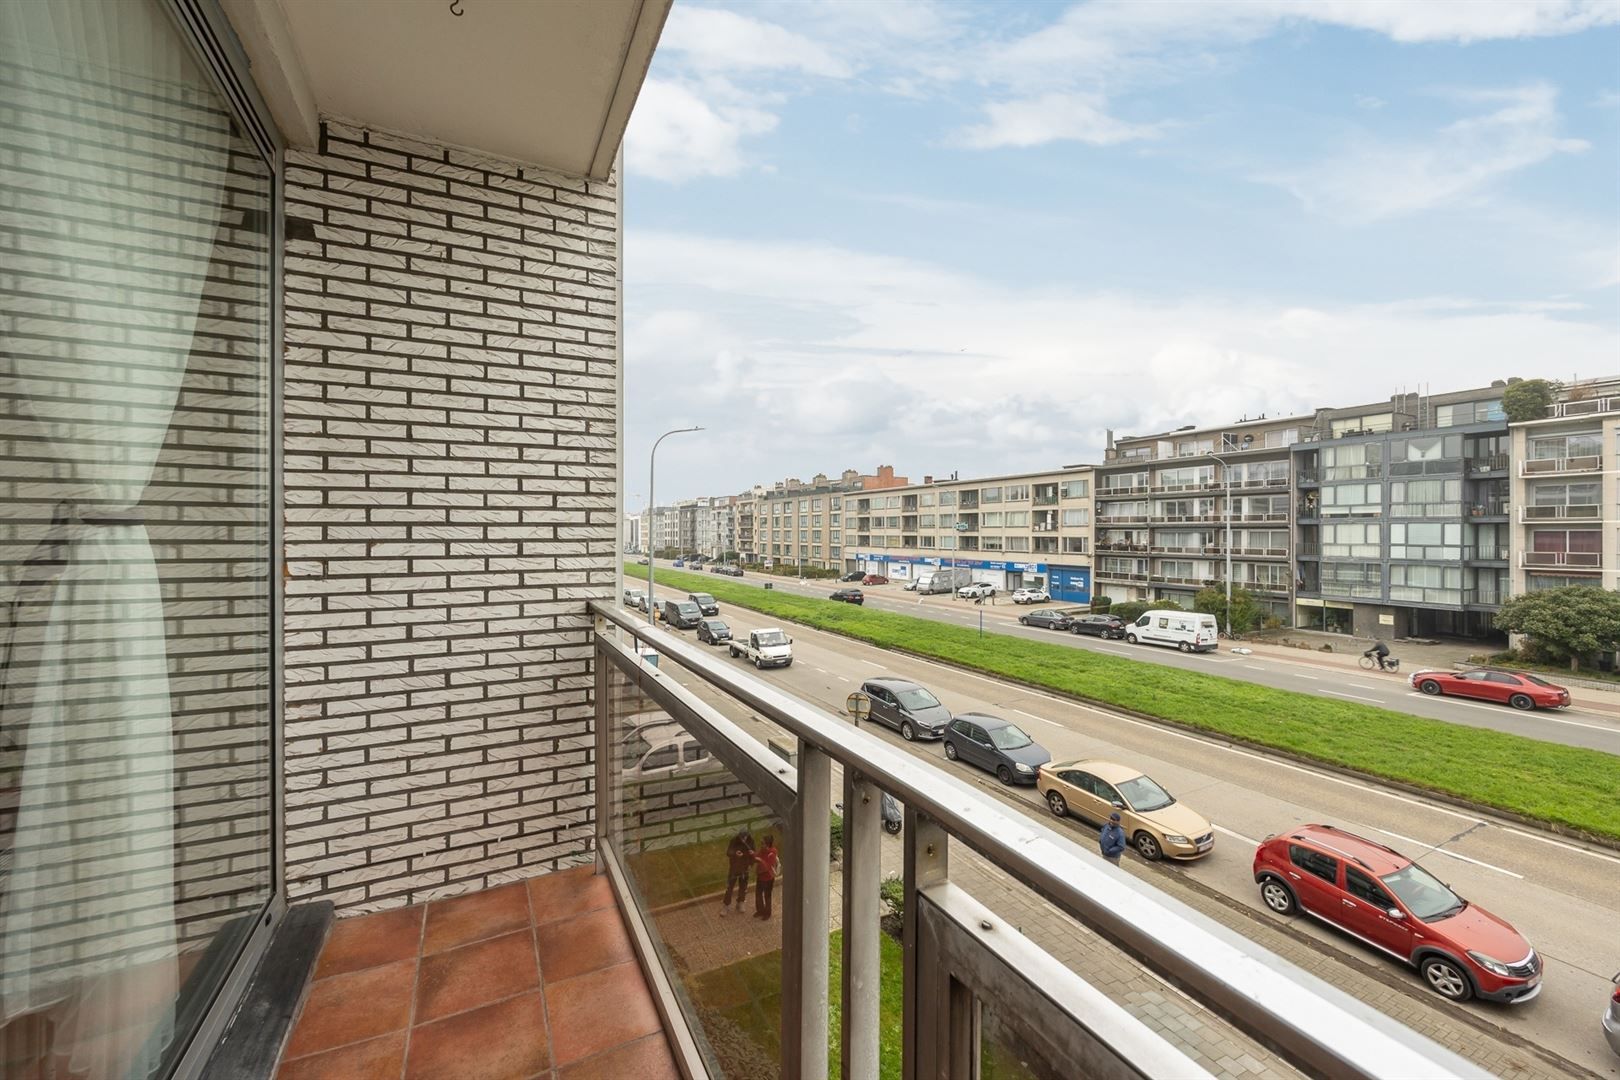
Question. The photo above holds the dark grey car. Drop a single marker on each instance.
(995, 745)
(706, 603)
(908, 707)
(714, 632)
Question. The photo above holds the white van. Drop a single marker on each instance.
(1189, 631)
(653, 746)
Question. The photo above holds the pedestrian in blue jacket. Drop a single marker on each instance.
(1112, 839)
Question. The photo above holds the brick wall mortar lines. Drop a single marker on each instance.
(450, 438)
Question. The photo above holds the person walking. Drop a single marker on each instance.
(767, 860)
(1112, 839)
(739, 858)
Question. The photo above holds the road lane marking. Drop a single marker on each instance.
(1443, 851)
(840, 678)
(1256, 667)
(1354, 697)
(1297, 675)
(1611, 729)
(1161, 729)
(1042, 719)
(1234, 835)
(1363, 686)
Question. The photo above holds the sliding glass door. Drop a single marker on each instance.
(137, 602)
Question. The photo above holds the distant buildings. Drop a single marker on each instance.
(1413, 516)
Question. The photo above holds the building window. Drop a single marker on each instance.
(1017, 543)
(927, 499)
(1017, 493)
(990, 543)
(947, 498)
(1076, 489)
(992, 519)
(1018, 519)
(1076, 518)
(990, 495)
(1074, 545)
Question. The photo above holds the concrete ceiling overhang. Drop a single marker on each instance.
(550, 82)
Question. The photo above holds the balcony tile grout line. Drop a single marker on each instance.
(540, 975)
(416, 986)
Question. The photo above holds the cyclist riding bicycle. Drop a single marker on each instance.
(1381, 652)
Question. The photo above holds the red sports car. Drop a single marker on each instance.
(1519, 689)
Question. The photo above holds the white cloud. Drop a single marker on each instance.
(804, 350)
(676, 135)
(1097, 52)
(1371, 180)
(1051, 117)
(713, 39)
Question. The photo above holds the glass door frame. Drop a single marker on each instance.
(204, 27)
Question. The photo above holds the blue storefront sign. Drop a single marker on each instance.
(969, 564)
(1071, 584)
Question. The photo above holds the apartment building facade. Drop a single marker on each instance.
(1014, 531)
(1403, 510)
(802, 523)
(1564, 492)
(1167, 504)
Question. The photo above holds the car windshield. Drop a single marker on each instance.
(916, 699)
(1143, 795)
(771, 637)
(714, 624)
(1010, 737)
(1424, 895)
(687, 610)
(703, 598)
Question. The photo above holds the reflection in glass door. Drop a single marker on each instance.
(137, 607)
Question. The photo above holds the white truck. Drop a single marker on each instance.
(945, 580)
(765, 648)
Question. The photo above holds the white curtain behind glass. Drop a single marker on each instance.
(121, 151)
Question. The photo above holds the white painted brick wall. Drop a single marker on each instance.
(450, 433)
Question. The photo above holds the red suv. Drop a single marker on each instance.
(1376, 894)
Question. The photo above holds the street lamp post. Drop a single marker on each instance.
(1226, 477)
(652, 503)
(961, 527)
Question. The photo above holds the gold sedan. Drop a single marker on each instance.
(1156, 825)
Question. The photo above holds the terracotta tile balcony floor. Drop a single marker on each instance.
(535, 979)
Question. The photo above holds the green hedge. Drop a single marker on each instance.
(1562, 785)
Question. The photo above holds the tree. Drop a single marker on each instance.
(1247, 612)
(1574, 623)
(1132, 610)
(1528, 399)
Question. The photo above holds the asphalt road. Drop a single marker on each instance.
(1560, 895)
(1574, 726)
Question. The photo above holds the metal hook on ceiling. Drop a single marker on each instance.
(455, 8)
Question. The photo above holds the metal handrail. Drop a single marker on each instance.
(1316, 1025)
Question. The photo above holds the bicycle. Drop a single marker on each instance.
(1369, 662)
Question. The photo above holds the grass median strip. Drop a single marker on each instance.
(1562, 785)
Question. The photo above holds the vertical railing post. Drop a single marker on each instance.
(602, 801)
(862, 977)
(804, 921)
(927, 863)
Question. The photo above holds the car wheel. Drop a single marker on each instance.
(1277, 896)
(1004, 774)
(1184, 647)
(1130, 639)
(733, 652)
(1446, 978)
(1147, 845)
(950, 751)
(1023, 620)
(1056, 803)
(1522, 702)
(758, 663)
(1430, 687)
(907, 732)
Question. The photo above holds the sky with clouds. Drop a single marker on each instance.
(974, 237)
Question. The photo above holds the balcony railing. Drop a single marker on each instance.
(1308, 549)
(1488, 463)
(1554, 465)
(968, 970)
(1121, 575)
(1260, 515)
(1584, 407)
(1484, 553)
(1123, 519)
(1567, 560)
(1121, 491)
(1177, 519)
(1120, 545)
(1578, 511)
(1045, 500)
(1201, 485)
